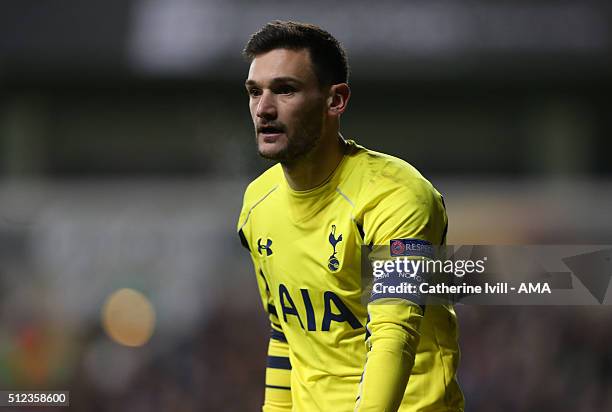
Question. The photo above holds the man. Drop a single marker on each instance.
(305, 221)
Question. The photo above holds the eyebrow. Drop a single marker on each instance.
(276, 80)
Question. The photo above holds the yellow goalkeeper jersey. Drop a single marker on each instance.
(330, 349)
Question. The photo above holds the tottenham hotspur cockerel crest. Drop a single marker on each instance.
(333, 262)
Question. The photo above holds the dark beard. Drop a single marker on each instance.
(300, 145)
(296, 149)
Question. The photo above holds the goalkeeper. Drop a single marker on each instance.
(304, 222)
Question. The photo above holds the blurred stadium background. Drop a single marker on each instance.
(126, 143)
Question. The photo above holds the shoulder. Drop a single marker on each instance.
(382, 174)
(396, 201)
(263, 184)
(259, 189)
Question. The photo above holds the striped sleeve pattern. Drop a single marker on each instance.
(278, 374)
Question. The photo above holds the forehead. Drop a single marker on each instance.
(280, 63)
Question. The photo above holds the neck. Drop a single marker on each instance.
(314, 168)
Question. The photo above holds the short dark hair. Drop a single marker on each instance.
(326, 53)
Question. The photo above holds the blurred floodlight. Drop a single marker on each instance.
(128, 317)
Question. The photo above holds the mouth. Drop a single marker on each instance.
(270, 133)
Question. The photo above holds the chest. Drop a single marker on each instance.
(322, 252)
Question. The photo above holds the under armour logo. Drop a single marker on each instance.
(333, 262)
(265, 247)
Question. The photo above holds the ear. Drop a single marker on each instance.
(337, 101)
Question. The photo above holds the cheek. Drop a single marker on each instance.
(252, 108)
(294, 112)
(310, 113)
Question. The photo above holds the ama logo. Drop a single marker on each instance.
(333, 262)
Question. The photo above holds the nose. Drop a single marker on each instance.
(266, 106)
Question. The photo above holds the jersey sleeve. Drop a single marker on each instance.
(278, 370)
(411, 210)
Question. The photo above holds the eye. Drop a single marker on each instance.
(285, 89)
(253, 92)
